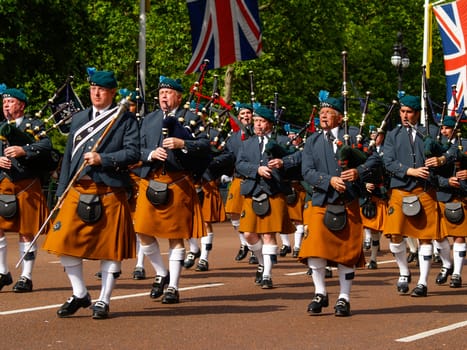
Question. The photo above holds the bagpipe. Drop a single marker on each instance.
(382, 128)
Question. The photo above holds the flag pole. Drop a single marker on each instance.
(426, 60)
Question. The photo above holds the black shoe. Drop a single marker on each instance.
(190, 259)
(403, 283)
(259, 275)
(419, 291)
(309, 271)
(443, 275)
(139, 273)
(159, 285)
(253, 259)
(242, 253)
(285, 249)
(342, 308)
(456, 281)
(98, 275)
(100, 310)
(73, 304)
(5, 280)
(203, 265)
(266, 283)
(171, 296)
(24, 285)
(372, 265)
(295, 253)
(412, 257)
(437, 259)
(328, 272)
(317, 303)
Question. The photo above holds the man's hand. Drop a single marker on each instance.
(422, 172)
(14, 152)
(5, 163)
(275, 163)
(92, 158)
(338, 184)
(173, 143)
(159, 153)
(265, 172)
(349, 175)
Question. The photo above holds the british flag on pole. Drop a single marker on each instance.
(223, 31)
(452, 23)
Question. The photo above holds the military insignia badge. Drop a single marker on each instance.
(391, 210)
(57, 226)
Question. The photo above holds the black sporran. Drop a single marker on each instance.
(369, 209)
(260, 204)
(8, 205)
(335, 217)
(411, 205)
(157, 193)
(292, 197)
(454, 212)
(89, 208)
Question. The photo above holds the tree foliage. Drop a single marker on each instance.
(44, 41)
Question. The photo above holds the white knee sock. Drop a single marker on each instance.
(268, 250)
(412, 243)
(74, 270)
(139, 254)
(204, 242)
(285, 239)
(399, 250)
(153, 253)
(346, 276)
(3, 256)
(443, 248)
(28, 262)
(298, 235)
(110, 271)
(425, 254)
(375, 236)
(318, 266)
(458, 252)
(257, 249)
(176, 257)
(193, 242)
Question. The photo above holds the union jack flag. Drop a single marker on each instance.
(223, 31)
(452, 23)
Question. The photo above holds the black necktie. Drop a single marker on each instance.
(261, 144)
(409, 131)
(97, 114)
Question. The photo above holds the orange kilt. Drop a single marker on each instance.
(180, 218)
(213, 206)
(234, 202)
(449, 229)
(296, 209)
(277, 220)
(423, 226)
(110, 238)
(342, 247)
(134, 193)
(376, 223)
(31, 203)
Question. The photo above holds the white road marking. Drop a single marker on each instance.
(335, 268)
(432, 332)
(45, 307)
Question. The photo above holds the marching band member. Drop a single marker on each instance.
(23, 206)
(264, 211)
(168, 206)
(411, 183)
(334, 200)
(94, 221)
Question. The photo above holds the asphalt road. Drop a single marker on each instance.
(223, 309)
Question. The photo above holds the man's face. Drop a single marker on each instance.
(245, 116)
(329, 118)
(13, 108)
(409, 116)
(101, 97)
(262, 126)
(446, 131)
(169, 99)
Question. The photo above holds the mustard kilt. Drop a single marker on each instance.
(110, 238)
(134, 192)
(213, 206)
(425, 225)
(180, 218)
(296, 209)
(277, 220)
(449, 229)
(31, 206)
(234, 202)
(378, 221)
(341, 247)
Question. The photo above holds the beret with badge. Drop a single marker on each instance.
(104, 78)
(411, 102)
(169, 83)
(15, 93)
(265, 113)
(449, 121)
(327, 101)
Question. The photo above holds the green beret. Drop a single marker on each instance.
(125, 93)
(410, 101)
(16, 93)
(245, 106)
(334, 103)
(168, 83)
(105, 79)
(265, 113)
(449, 121)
